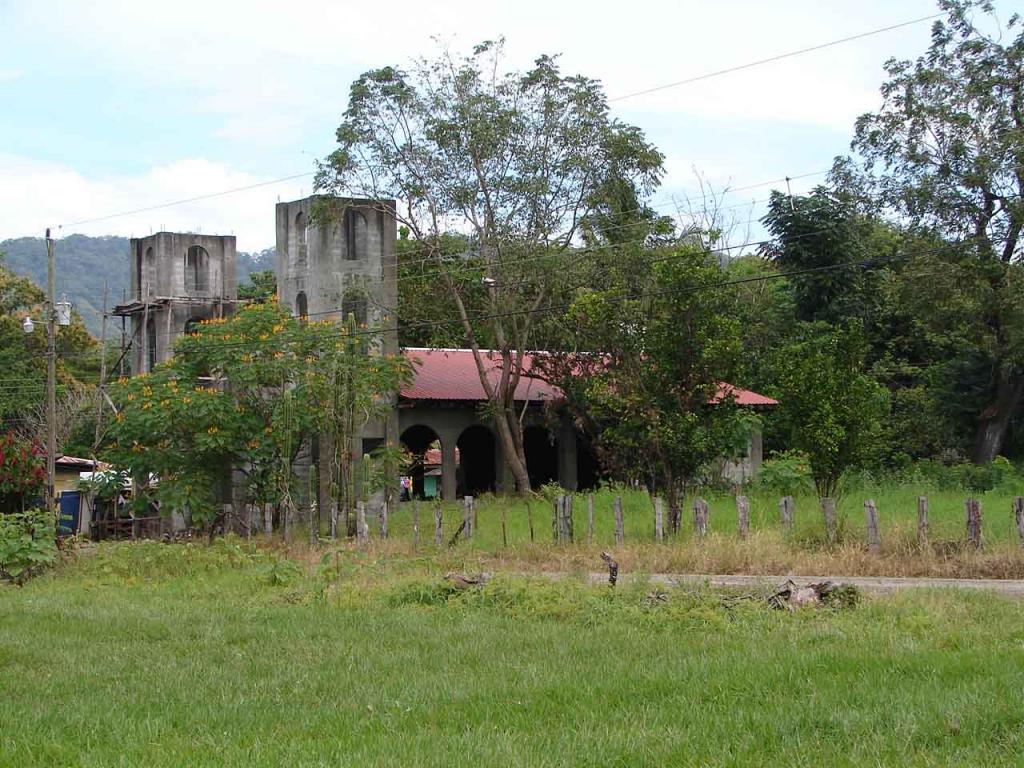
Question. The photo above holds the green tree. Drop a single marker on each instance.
(261, 288)
(830, 408)
(946, 153)
(516, 161)
(648, 389)
(240, 394)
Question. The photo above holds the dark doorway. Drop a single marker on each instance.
(476, 461)
(588, 469)
(541, 456)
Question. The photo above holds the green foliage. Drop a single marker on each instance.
(262, 287)
(830, 409)
(786, 473)
(240, 393)
(26, 544)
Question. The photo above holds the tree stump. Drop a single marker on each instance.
(828, 511)
(922, 521)
(620, 533)
(743, 516)
(659, 531)
(974, 537)
(700, 517)
(786, 513)
(871, 519)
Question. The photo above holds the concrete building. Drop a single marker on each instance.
(177, 279)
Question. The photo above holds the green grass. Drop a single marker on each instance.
(159, 655)
(897, 507)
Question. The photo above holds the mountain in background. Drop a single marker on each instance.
(85, 263)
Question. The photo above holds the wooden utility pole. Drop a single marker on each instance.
(51, 376)
(103, 373)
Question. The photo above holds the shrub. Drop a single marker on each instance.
(22, 474)
(27, 544)
(787, 472)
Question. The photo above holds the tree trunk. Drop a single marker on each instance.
(994, 421)
(513, 453)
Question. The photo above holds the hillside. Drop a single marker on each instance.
(85, 263)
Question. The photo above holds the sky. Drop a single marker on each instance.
(111, 106)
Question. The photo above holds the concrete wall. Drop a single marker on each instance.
(158, 272)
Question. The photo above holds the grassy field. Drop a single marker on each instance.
(767, 551)
(171, 655)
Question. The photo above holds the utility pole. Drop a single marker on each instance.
(51, 375)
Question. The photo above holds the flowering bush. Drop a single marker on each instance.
(22, 474)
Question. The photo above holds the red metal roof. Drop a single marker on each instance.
(451, 374)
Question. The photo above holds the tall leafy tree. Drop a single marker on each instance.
(946, 153)
(647, 379)
(516, 161)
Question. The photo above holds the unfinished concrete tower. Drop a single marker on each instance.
(335, 257)
(178, 279)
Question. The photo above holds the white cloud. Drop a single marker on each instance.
(9, 75)
(71, 201)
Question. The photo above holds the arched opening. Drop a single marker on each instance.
(197, 269)
(476, 472)
(421, 477)
(354, 303)
(541, 456)
(300, 239)
(355, 235)
(588, 468)
(301, 307)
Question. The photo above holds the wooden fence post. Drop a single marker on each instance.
(700, 516)
(974, 537)
(871, 518)
(556, 515)
(590, 518)
(620, 533)
(742, 516)
(659, 531)
(828, 511)
(268, 520)
(334, 519)
(384, 512)
(922, 521)
(504, 525)
(314, 513)
(249, 514)
(362, 530)
(415, 524)
(529, 519)
(467, 516)
(1018, 516)
(438, 531)
(567, 519)
(786, 513)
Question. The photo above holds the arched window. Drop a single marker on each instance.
(197, 269)
(354, 303)
(300, 240)
(301, 308)
(355, 235)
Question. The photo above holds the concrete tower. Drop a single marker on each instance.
(178, 279)
(335, 257)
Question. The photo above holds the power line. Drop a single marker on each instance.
(777, 57)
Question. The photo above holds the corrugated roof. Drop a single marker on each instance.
(451, 374)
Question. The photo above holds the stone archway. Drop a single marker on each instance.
(425, 469)
(541, 456)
